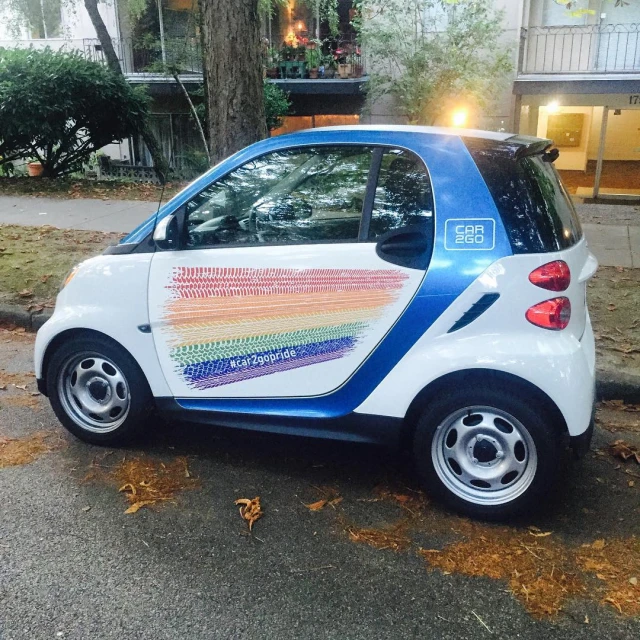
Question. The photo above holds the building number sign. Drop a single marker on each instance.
(634, 98)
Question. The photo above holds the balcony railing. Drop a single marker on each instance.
(149, 57)
(613, 48)
(134, 57)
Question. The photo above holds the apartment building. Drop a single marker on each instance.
(576, 78)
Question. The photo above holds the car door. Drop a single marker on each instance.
(280, 286)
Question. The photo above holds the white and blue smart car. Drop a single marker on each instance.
(398, 285)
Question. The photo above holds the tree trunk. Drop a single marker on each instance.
(160, 165)
(233, 75)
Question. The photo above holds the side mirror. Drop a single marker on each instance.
(166, 233)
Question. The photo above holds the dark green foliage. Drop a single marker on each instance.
(276, 105)
(60, 108)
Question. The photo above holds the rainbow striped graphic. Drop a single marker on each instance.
(226, 325)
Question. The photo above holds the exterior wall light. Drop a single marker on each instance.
(553, 107)
(460, 118)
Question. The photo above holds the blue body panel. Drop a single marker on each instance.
(469, 236)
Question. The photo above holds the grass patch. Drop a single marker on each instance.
(66, 189)
(34, 260)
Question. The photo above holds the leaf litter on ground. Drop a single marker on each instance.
(19, 451)
(624, 451)
(541, 569)
(144, 480)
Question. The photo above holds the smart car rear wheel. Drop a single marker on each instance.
(97, 390)
(487, 452)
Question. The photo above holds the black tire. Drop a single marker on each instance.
(138, 395)
(431, 448)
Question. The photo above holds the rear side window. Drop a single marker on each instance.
(403, 194)
(536, 210)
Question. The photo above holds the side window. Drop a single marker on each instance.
(292, 196)
(403, 194)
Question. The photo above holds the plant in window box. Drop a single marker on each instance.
(313, 57)
(288, 52)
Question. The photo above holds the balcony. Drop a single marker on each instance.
(143, 59)
(148, 58)
(588, 49)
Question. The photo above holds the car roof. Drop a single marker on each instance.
(497, 136)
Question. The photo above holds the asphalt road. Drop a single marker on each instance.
(190, 570)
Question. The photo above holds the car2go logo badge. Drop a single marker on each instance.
(226, 325)
(470, 234)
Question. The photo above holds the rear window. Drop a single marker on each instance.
(536, 210)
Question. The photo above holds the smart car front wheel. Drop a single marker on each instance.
(486, 451)
(97, 390)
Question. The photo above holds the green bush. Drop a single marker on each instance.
(276, 105)
(60, 108)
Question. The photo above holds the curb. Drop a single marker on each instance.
(30, 320)
(614, 385)
(610, 385)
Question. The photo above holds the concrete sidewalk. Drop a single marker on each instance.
(81, 213)
(613, 231)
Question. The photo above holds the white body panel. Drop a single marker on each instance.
(108, 294)
(562, 363)
(213, 310)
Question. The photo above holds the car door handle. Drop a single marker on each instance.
(411, 243)
(408, 247)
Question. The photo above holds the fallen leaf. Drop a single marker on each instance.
(136, 506)
(250, 510)
(537, 533)
(598, 544)
(25, 293)
(624, 451)
(316, 506)
(87, 508)
(128, 487)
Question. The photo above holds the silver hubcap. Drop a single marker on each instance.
(484, 455)
(94, 393)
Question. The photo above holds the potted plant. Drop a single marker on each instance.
(313, 58)
(288, 52)
(301, 52)
(344, 69)
(34, 167)
(330, 65)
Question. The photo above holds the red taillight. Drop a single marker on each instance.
(551, 314)
(554, 276)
